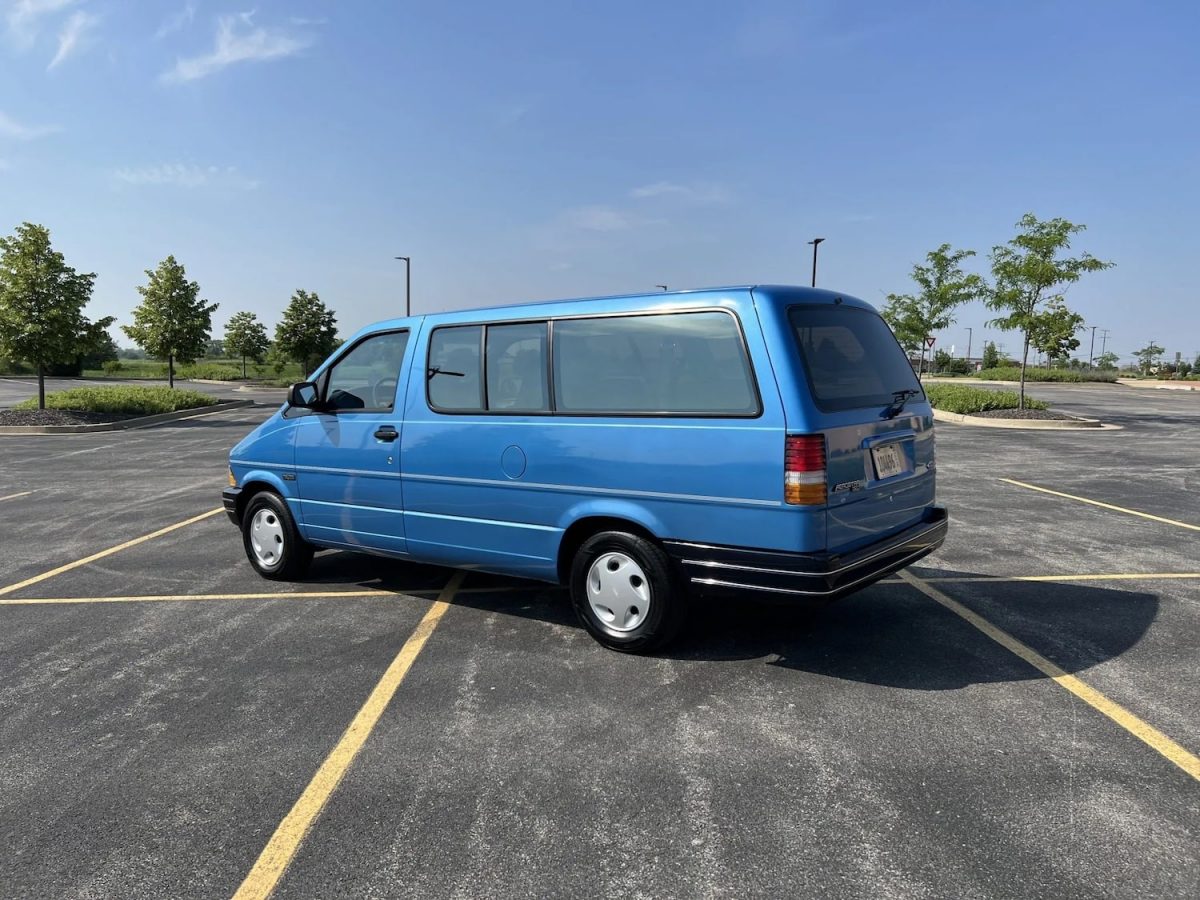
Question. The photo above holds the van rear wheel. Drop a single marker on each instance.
(272, 541)
(625, 592)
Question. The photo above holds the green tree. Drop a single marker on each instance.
(1029, 275)
(245, 336)
(308, 332)
(96, 345)
(991, 356)
(172, 322)
(1107, 360)
(41, 303)
(1053, 331)
(1147, 355)
(944, 287)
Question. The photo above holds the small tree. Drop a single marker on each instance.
(1053, 331)
(41, 303)
(172, 322)
(1029, 273)
(245, 336)
(308, 332)
(1147, 355)
(1107, 360)
(991, 356)
(943, 288)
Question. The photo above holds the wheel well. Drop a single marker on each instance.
(580, 531)
(248, 492)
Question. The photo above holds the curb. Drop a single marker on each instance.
(127, 424)
(1075, 424)
(1158, 385)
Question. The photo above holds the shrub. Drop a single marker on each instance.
(1034, 373)
(211, 371)
(112, 366)
(964, 400)
(142, 401)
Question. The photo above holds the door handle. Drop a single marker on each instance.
(386, 433)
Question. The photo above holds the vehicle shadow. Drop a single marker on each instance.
(888, 634)
(893, 635)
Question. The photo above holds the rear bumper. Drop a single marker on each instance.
(229, 498)
(717, 569)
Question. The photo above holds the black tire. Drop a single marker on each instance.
(633, 630)
(276, 528)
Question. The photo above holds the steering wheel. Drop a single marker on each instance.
(383, 393)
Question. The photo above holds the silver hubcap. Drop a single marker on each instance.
(266, 537)
(618, 591)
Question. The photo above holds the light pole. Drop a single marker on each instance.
(407, 284)
(970, 334)
(663, 286)
(1092, 348)
(816, 242)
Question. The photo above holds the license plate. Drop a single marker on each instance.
(889, 461)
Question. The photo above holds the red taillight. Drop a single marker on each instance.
(804, 469)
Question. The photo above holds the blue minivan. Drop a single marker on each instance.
(770, 441)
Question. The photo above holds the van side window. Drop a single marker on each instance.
(365, 379)
(673, 363)
(516, 368)
(454, 369)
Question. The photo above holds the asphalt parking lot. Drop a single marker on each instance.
(172, 725)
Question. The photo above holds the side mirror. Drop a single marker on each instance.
(303, 395)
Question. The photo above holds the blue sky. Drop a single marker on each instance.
(526, 150)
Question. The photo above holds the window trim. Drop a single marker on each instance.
(322, 380)
(552, 395)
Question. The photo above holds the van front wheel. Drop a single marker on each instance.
(626, 593)
(273, 544)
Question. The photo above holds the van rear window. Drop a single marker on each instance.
(851, 357)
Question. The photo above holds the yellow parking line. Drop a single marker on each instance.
(1185, 759)
(1122, 509)
(286, 840)
(109, 552)
(277, 595)
(15, 496)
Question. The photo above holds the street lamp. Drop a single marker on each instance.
(816, 242)
(407, 284)
(663, 286)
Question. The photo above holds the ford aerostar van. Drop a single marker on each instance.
(768, 441)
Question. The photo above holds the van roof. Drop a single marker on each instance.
(774, 293)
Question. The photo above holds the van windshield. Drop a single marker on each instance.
(851, 357)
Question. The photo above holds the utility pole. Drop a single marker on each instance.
(1092, 349)
(970, 334)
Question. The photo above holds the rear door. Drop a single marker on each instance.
(877, 423)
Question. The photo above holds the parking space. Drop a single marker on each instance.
(350, 736)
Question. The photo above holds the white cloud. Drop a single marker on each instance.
(186, 175)
(24, 17)
(11, 128)
(73, 36)
(601, 218)
(238, 40)
(701, 194)
(181, 20)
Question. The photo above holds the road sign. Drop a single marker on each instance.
(929, 341)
